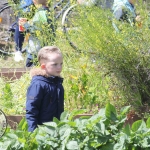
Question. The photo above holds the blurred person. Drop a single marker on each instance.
(34, 25)
(20, 35)
(124, 10)
(103, 4)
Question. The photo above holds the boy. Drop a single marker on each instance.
(41, 29)
(45, 95)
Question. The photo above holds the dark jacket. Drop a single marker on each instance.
(45, 99)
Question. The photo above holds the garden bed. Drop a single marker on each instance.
(13, 120)
(12, 73)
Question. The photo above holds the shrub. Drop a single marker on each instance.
(125, 55)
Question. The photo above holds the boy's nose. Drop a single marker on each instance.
(60, 67)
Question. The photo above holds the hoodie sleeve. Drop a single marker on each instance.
(33, 102)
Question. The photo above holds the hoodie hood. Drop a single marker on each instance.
(39, 74)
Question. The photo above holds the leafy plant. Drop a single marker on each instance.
(104, 130)
(12, 98)
(7, 96)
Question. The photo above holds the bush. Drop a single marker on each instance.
(124, 55)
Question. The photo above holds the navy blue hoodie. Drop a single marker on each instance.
(45, 99)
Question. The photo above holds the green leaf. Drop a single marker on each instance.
(61, 124)
(39, 138)
(56, 120)
(71, 123)
(23, 120)
(124, 110)
(102, 112)
(75, 113)
(121, 142)
(49, 130)
(5, 145)
(64, 132)
(51, 124)
(72, 145)
(25, 126)
(64, 116)
(110, 112)
(53, 144)
(127, 130)
(108, 146)
(148, 122)
(101, 127)
(136, 125)
(12, 136)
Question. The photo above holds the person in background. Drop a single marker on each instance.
(124, 10)
(102, 4)
(46, 33)
(19, 35)
(45, 95)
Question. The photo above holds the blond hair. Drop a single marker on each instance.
(43, 53)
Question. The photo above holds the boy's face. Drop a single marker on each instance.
(53, 66)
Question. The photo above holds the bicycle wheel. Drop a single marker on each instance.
(7, 18)
(71, 26)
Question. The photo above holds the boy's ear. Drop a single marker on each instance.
(42, 66)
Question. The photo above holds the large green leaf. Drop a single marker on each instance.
(100, 127)
(49, 130)
(72, 145)
(39, 138)
(5, 145)
(23, 120)
(12, 136)
(108, 146)
(75, 113)
(124, 110)
(102, 112)
(64, 132)
(64, 116)
(136, 125)
(56, 120)
(127, 130)
(110, 112)
(148, 122)
(51, 124)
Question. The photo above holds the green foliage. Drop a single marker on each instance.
(101, 131)
(7, 96)
(84, 90)
(12, 97)
(110, 67)
(125, 55)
